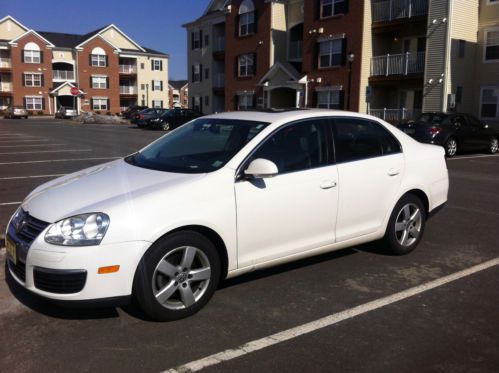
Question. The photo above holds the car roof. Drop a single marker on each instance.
(285, 115)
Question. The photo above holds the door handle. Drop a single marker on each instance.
(393, 171)
(328, 184)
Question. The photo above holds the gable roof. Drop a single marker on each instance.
(289, 69)
(14, 41)
(177, 84)
(15, 21)
(98, 32)
(61, 39)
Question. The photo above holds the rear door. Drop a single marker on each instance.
(370, 169)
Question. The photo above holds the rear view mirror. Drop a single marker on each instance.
(261, 168)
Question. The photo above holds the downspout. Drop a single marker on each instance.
(448, 46)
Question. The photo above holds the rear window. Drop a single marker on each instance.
(432, 118)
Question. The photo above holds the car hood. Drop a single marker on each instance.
(98, 189)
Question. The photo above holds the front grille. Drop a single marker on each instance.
(19, 269)
(59, 281)
(31, 228)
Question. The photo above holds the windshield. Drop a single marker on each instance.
(200, 146)
(432, 118)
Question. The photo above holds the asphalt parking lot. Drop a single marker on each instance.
(356, 310)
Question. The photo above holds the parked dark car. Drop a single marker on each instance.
(16, 112)
(454, 131)
(131, 111)
(142, 117)
(173, 118)
(66, 112)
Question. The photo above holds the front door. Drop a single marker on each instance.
(294, 211)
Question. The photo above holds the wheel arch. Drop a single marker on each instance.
(421, 195)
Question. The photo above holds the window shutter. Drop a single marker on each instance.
(192, 73)
(236, 102)
(161, 85)
(107, 82)
(342, 100)
(152, 85)
(23, 55)
(201, 72)
(107, 60)
(41, 57)
(24, 80)
(91, 85)
(254, 63)
(152, 65)
(315, 55)
(344, 51)
(43, 103)
(236, 67)
(24, 102)
(317, 6)
(345, 6)
(192, 40)
(315, 99)
(108, 104)
(201, 38)
(42, 80)
(255, 17)
(90, 60)
(91, 104)
(160, 65)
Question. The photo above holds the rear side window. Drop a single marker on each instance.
(357, 139)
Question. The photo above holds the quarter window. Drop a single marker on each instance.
(357, 139)
(296, 147)
(330, 53)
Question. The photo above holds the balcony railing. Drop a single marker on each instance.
(128, 69)
(388, 10)
(128, 90)
(296, 50)
(5, 63)
(395, 115)
(219, 80)
(5, 87)
(63, 75)
(219, 44)
(398, 64)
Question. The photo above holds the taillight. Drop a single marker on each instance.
(434, 130)
(141, 116)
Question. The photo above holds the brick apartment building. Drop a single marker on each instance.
(110, 70)
(178, 91)
(389, 58)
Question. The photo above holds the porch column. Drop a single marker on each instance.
(55, 104)
(298, 95)
(268, 98)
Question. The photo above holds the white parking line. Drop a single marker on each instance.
(473, 156)
(11, 141)
(52, 151)
(60, 160)
(335, 318)
(9, 203)
(24, 146)
(30, 177)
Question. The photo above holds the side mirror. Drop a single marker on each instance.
(261, 168)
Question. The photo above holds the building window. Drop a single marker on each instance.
(459, 94)
(196, 103)
(461, 48)
(247, 18)
(333, 7)
(157, 85)
(196, 73)
(33, 80)
(142, 66)
(99, 104)
(245, 101)
(330, 99)
(142, 86)
(157, 65)
(492, 45)
(206, 100)
(207, 73)
(32, 53)
(157, 104)
(489, 103)
(99, 82)
(34, 103)
(331, 53)
(98, 57)
(246, 65)
(196, 39)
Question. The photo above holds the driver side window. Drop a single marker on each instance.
(297, 147)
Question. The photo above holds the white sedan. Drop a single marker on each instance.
(221, 196)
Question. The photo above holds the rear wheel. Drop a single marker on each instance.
(451, 147)
(494, 145)
(177, 276)
(165, 126)
(406, 225)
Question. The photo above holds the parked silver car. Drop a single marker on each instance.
(66, 112)
(16, 112)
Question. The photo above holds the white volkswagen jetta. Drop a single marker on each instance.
(220, 196)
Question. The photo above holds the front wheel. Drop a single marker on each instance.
(494, 145)
(406, 225)
(165, 126)
(450, 147)
(177, 276)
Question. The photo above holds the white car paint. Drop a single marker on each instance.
(345, 204)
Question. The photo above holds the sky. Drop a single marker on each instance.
(156, 24)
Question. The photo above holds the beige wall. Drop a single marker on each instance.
(10, 30)
(62, 56)
(117, 39)
(279, 40)
(365, 58)
(295, 12)
(146, 75)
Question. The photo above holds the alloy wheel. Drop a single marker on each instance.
(181, 278)
(451, 147)
(165, 126)
(408, 224)
(494, 145)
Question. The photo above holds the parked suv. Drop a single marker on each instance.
(66, 112)
(16, 112)
(172, 119)
(220, 196)
(455, 132)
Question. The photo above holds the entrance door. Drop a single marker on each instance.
(281, 98)
(294, 211)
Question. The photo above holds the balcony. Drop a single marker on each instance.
(128, 90)
(395, 115)
(390, 10)
(295, 52)
(219, 84)
(5, 87)
(5, 63)
(128, 69)
(219, 44)
(398, 64)
(63, 75)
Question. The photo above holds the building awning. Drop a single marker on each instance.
(281, 74)
(64, 90)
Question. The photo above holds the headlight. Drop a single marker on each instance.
(80, 230)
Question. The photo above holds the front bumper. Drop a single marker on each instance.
(71, 273)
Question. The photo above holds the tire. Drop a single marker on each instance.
(450, 147)
(493, 145)
(406, 225)
(165, 126)
(164, 289)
